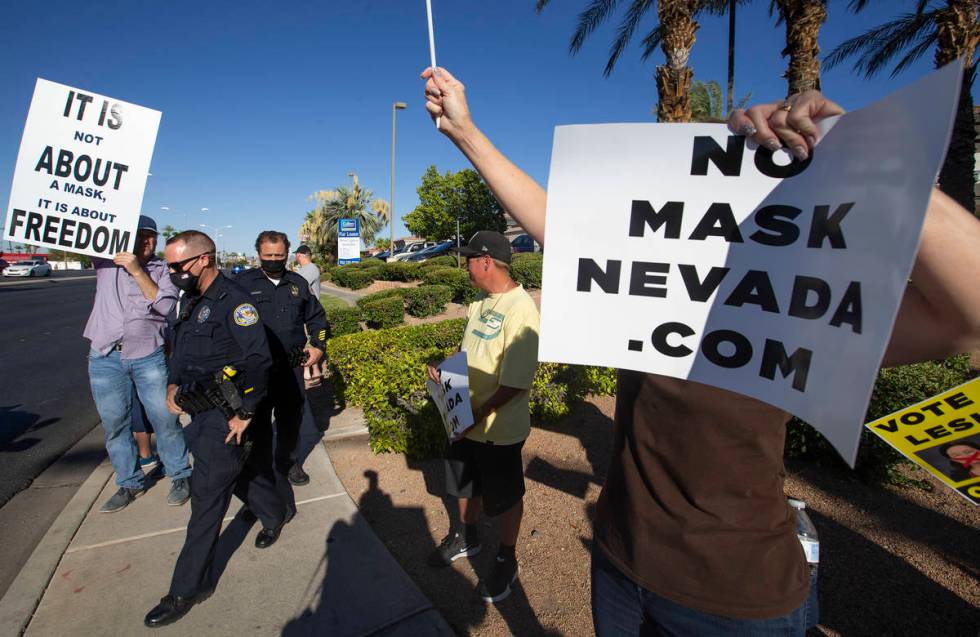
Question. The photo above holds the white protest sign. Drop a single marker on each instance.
(682, 250)
(452, 395)
(81, 171)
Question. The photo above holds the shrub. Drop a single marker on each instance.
(457, 280)
(343, 320)
(526, 269)
(383, 372)
(383, 294)
(354, 278)
(325, 271)
(384, 313)
(401, 271)
(896, 388)
(445, 261)
(427, 300)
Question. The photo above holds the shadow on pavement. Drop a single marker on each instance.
(14, 422)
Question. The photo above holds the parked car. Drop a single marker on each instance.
(435, 251)
(34, 267)
(524, 243)
(411, 249)
(3, 265)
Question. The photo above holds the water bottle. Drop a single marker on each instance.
(807, 533)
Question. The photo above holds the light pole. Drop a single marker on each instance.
(215, 229)
(397, 106)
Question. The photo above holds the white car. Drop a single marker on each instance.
(411, 249)
(35, 267)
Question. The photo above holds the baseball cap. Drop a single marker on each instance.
(146, 223)
(303, 249)
(489, 243)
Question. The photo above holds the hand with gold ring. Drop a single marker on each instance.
(791, 122)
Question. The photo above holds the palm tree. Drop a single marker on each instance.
(953, 29)
(803, 19)
(343, 203)
(169, 231)
(673, 33)
(706, 104)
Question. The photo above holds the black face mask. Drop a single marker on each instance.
(274, 268)
(185, 281)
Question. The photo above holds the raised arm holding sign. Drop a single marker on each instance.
(783, 293)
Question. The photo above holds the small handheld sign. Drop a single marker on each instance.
(452, 395)
(942, 435)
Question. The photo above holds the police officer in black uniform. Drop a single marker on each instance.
(296, 327)
(218, 370)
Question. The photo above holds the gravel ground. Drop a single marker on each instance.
(894, 561)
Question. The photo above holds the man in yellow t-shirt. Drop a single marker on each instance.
(484, 469)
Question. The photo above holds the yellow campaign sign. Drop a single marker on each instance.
(942, 435)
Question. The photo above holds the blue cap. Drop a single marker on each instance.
(146, 223)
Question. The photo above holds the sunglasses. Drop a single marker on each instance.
(178, 266)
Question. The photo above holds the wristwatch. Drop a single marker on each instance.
(244, 414)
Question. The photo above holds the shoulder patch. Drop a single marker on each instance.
(246, 314)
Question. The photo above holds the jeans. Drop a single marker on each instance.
(112, 378)
(621, 607)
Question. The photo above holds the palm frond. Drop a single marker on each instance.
(857, 6)
(540, 5)
(652, 42)
(625, 32)
(588, 20)
(876, 47)
(914, 54)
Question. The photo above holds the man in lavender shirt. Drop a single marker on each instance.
(133, 296)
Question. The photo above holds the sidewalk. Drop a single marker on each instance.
(327, 575)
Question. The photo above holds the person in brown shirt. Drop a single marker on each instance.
(683, 545)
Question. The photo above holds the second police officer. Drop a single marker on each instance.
(217, 373)
(296, 327)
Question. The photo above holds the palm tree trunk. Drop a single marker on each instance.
(957, 34)
(731, 58)
(803, 20)
(674, 78)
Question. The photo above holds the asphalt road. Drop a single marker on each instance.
(45, 402)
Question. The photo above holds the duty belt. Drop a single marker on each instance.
(298, 357)
(222, 392)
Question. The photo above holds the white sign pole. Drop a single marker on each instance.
(685, 251)
(432, 43)
(81, 172)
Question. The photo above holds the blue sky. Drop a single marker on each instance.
(264, 103)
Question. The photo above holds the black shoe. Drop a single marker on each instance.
(171, 608)
(453, 547)
(497, 587)
(297, 476)
(268, 537)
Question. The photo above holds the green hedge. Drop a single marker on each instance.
(525, 268)
(343, 320)
(445, 261)
(384, 313)
(383, 294)
(401, 271)
(427, 300)
(457, 280)
(896, 388)
(383, 372)
(351, 276)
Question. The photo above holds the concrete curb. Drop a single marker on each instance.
(22, 598)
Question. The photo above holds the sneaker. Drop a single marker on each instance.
(120, 500)
(297, 476)
(453, 547)
(180, 492)
(497, 587)
(149, 463)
